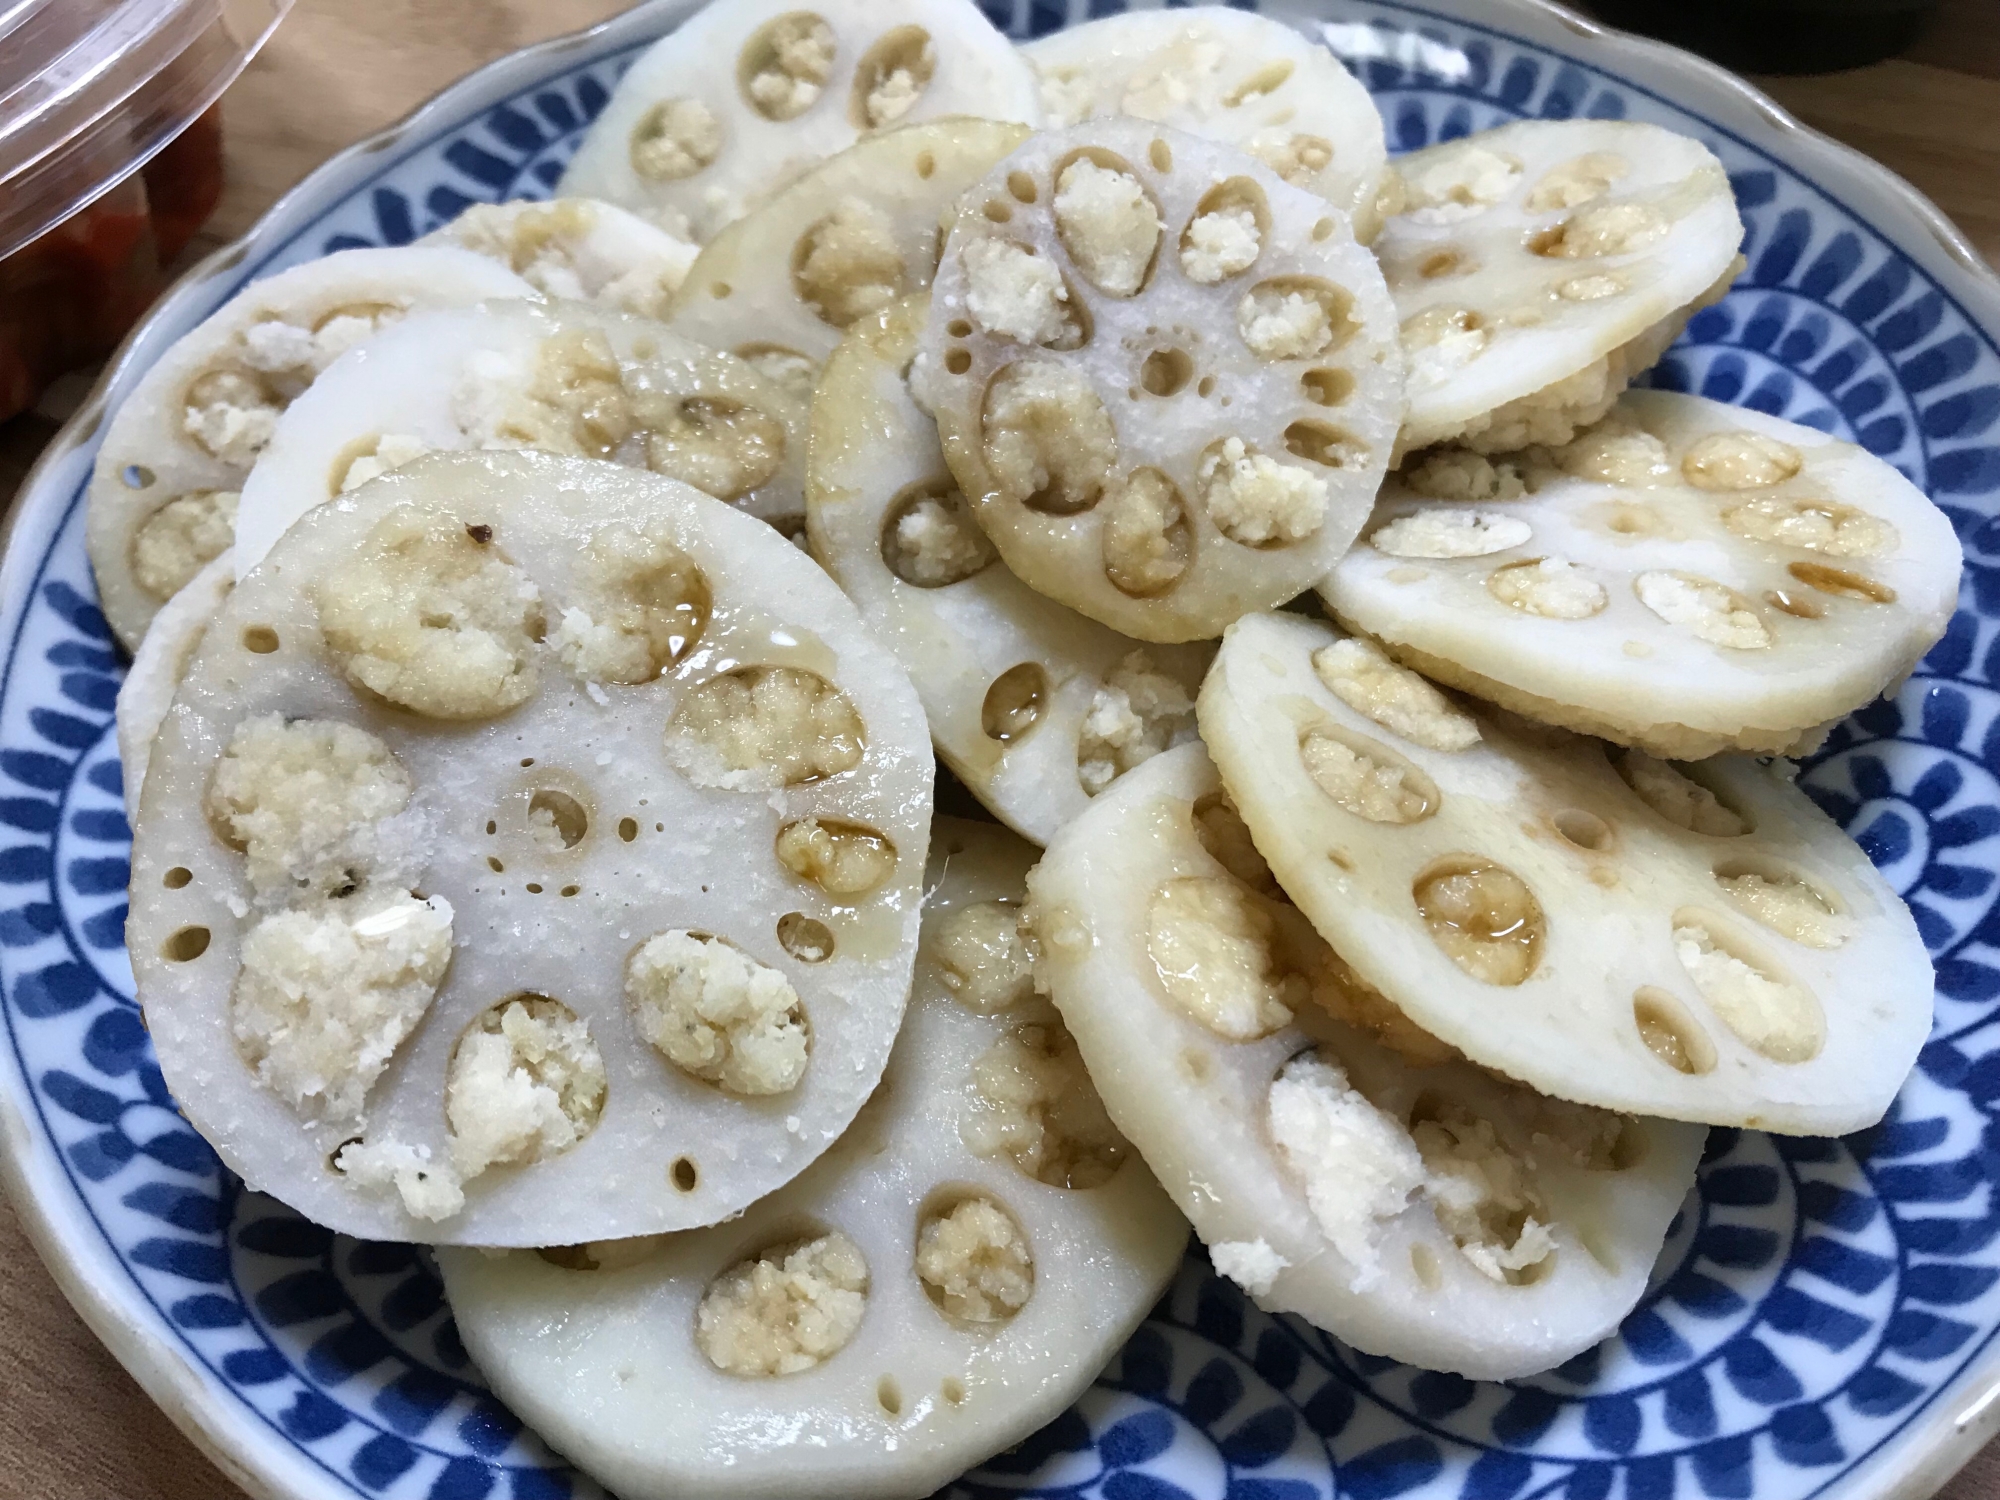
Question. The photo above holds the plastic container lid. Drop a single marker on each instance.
(91, 89)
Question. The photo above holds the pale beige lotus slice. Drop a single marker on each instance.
(1248, 81)
(1417, 1207)
(946, 1279)
(742, 98)
(578, 249)
(1685, 576)
(558, 377)
(159, 664)
(855, 234)
(1036, 708)
(1698, 942)
(1166, 381)
(532, 851)
(1540, 266)
(164, 490)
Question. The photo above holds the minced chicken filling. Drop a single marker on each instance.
(786, 1310)
(717, 1013)
(327, 993)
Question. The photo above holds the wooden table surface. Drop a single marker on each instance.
(73, 1426)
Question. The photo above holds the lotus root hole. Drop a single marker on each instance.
(929, 539)
(1046, 437)
(1107, 221)
(783, 68)
(926, 165)
(137, 477)
(1483, 917)
(1022, 186)
(628, 829)
(1366, 777)
(1321, 443)
(1265, 80)
(1014, 703)
(1842, 583)
(185, 945)
(1670, 1031)
(1584, 829)
(1784, 900)
(1688, 796)
(556, 819)
(758, 727)
(841, 858)
(262, 640)
(1796, 605)
(1036, 1105)
(805, 938)
(953, 1390)
(973, 1258)
(1295, 317)
(1749, 990)
(177, 877)
(1166, 372)
(891, 77)
(685, 1174)
(889, 1396)
(675, 139)
(1329, 387)
(526, 1082)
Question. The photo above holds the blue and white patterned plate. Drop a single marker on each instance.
(1823, 1319)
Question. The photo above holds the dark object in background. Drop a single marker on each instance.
(1776, 36)
(67, 298)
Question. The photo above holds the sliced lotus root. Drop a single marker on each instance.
(1538, 267)
(532, 851)
(1685, 576)
(855, 234)
(1698, 942)
(1235, 77)
(578, 249)
(1166, 381)
(558, 377)
(163, 494)
(740, 99)
(944, 1281)
(1035, 707)
(159, 664)
(1416, 1206)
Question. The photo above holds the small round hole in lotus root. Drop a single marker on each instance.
(1014, 703)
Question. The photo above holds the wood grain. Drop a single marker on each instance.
(75, 1426)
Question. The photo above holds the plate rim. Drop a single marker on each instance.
(1934, 1447)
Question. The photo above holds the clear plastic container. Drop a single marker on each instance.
(110, 159)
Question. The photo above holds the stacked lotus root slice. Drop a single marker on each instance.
(552, 626)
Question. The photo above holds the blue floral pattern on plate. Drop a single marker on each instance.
(1817, 1299)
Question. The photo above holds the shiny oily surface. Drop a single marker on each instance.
(693, 140)
(562, 377)
(916, 1395)
(1199, 1106)
(1009, 679)
(1686, 576)
(542, 826)
(1697, 942)
(253, 356)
